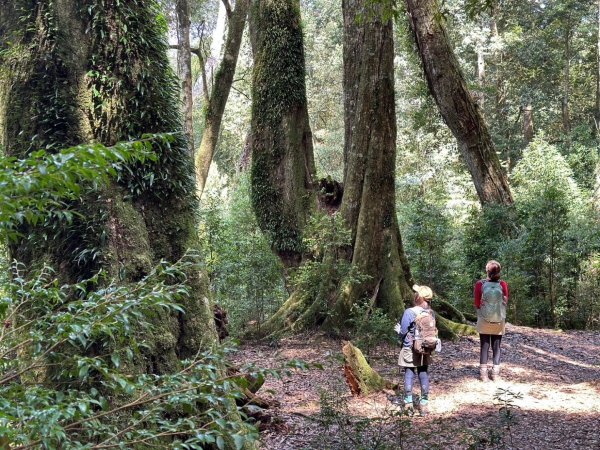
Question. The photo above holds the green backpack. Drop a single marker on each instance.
(492, 308)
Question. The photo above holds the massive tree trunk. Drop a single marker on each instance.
(221, 86)
(184, 68)
(459, 110)
(283, 169)
(76, 79)
(368, 204)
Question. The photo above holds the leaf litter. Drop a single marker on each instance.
(555, 373)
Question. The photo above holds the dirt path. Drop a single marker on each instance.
(556, 373)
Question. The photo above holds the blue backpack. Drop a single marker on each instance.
(492, 308)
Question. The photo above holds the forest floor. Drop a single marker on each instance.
(556, 374)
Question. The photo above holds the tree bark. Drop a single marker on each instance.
(360, 376)
(184, 69)
(219, 93)
(459, 110)
(597, 109)
(283, 169)
(566, 120)
(72, 83)
(368, 203)
(528, 123)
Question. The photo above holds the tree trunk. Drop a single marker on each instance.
(220, 92)
(283, 169)
(528, 123)
(481, 74)
(566, 120)
(368, 203)
(184, 69)
(459, 110)
(597, 109)
(73, 83)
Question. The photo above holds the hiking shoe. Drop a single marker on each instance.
(424, 409)
(483, 374)
(496, 374)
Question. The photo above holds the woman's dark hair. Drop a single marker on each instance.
(493, 269)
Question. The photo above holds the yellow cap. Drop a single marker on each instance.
(424, 292)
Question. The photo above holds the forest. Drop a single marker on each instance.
(236, 224)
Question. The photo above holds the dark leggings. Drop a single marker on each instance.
(409, 378)
(485, 341)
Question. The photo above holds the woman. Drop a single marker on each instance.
(491, 298)
(415, 364)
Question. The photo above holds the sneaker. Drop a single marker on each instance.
(424, 409)
(483, 374)
(496, 374)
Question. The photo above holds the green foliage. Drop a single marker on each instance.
(340, 429)
(551, 209)
(70, 353)
(321, 278)
(246, 277)
(128, 102)
(67, 335)
(371, 327)
(543, 243)
(38, 187)
(428, 233)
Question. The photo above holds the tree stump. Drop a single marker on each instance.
(360, 376)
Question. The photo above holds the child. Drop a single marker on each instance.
(415, 363)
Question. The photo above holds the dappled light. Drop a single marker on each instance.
(299, 224)
(560, 395)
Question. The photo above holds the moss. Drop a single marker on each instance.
(128, 255)
(279, 124)
(448, 310)
(362, 378)
(452, 330)
(38, 114)
(137, 92)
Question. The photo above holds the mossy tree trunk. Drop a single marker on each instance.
(283, 169)
(456, 104)
(215, 107)
(97, 70)
(368, 201)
